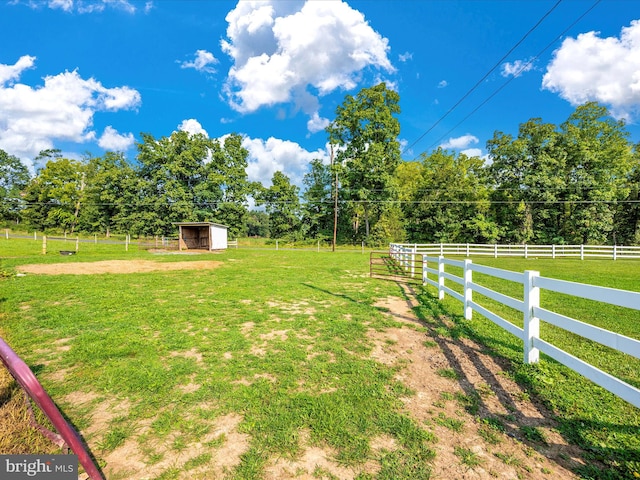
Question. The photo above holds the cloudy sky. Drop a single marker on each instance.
(86, 76)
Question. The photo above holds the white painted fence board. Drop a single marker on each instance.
(499, 297)
(453, 293)
(606, 381)
(605, 337)
(453, 278)
(497, 272)
(501, 322)
(622, 298)
(431, 282)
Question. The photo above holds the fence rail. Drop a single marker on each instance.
(494, 250)
(30, 384)
(533, 312)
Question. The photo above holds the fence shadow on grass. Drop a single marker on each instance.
(453, 334)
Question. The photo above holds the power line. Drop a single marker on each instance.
(522, 68)
(498, 63)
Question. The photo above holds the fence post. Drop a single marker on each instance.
(413, 261)
(126, 243)
(553, 251)
(77, 243)
(531, 323)
(44, 244)
(35, 235)
(467, 249)
(495, 250)
(526, 251)
(615, 253)
(276, 245)
(468, 292)
(424, 269)
(440, 277)
(581, 252)
(6, 233)
(441, 249)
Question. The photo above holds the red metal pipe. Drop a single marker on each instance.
(27, 380)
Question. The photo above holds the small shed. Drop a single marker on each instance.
(201, 236)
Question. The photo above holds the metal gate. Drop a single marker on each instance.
(405, 268)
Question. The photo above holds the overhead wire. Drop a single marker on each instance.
(522, 69)
(498, 63)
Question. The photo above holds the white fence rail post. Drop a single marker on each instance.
(441, 278)
(468, 291)
(413, 261)
(531, 323)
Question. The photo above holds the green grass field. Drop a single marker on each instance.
(278, 338)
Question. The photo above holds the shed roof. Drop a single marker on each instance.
(198, 224)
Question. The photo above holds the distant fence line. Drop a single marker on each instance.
(495, 250)
(142, 242)
(433, 273)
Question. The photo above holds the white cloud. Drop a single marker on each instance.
(282, 48)
(271, 155)
(472, 152)
(203, 62)
(66, 5)
(405, 57)
(10, 73)
(442, 84)
(85, 6)
(112, 140)
(193, 127)
(317, 123)
(33, 118)
(460, 142)
(516, 68)
(591, 68)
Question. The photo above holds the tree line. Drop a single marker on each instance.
(577, 182)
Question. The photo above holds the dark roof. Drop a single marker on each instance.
(198, 224)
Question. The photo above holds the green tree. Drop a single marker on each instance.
(599, 161)
(318, 201)
(527, 174)
(365, 132)
(627, 219)
(257, 224)
(227, 182)
(282, 203)
(176, 186)
(451, 203)
(55, 195)
(14, 177)
(111, 195)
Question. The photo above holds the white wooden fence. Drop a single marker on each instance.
(533, 313)
(494, 250)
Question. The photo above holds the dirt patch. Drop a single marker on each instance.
(477, 412)
(114, 266)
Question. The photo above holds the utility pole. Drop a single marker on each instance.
(335, 206)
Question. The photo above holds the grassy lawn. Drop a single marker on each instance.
(606, 427)
(275, 344)
(278, 338)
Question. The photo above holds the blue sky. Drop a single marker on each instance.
(91, 75)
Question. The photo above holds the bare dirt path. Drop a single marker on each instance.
(114, 266)
(487, 425)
